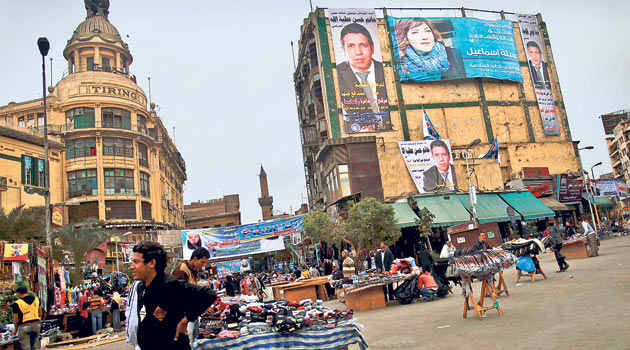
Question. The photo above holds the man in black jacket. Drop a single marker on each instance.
(164, 304)
(384, 259)
(362, 83)
(481, 244)
(555, 234)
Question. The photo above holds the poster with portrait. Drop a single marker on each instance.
(609, 187)
(430, 164)
(230, 267)
(537, 62)
(442, 48)
(360, 75)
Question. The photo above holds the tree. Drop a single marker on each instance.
(424, 223)
(368, 222)
(23, 224)
(78, 240)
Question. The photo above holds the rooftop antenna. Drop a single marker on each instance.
(149, 90)
(174, 136)
(51, 71)
(293, 55)
(310, 2)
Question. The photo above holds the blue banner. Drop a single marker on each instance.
(431, 49)
(247, 239)
(231, 267)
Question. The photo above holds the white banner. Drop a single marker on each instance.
(535, 51)
(430, 164)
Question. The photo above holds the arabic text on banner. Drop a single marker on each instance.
(442, 48)
(537, 62)
(360, 73)
(428, 173)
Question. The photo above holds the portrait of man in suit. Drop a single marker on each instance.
(440, 177)
(362, 82)
(538, 67)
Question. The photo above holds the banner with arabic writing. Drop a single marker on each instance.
(360, 74)
(242, 239)
(537, 62)
(430, 164)
(229, 267)
(439, 48)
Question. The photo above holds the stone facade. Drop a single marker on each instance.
(219, 212)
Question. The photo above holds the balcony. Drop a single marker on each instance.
(104, 125)
(98, 68)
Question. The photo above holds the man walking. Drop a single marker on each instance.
(384, 259)
(555, 234)
(590, 234)
(26, 316)
(165, 304)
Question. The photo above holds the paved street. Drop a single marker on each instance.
(589, 310)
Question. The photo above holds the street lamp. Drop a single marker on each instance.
(592, 173)
(586, 186)
(471, 189)
(44, 46)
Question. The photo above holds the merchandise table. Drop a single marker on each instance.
(577, 249)
(368, 296)
(312, 288)
(323, 339)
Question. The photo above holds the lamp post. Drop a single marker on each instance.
(592, 173)
(471, 190)
(599, 225)
(586, 186)
(44, 46)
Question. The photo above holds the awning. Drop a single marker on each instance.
(600, 200)
(527, 205)
(404, 214)
(447, 209)
(553, 204)
(490, 208)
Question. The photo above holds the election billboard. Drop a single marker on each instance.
(360, 74)
(238, 240)
(430, 164)
(441, 48)
(537, 62)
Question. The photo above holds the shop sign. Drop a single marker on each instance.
(569, 189)
(57, 216)
(540, 190)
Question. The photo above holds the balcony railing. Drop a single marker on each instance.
(97, 68)
(104, 125)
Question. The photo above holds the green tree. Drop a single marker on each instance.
(78, 240)
(368, 222)
(424, 223)
(23, 224)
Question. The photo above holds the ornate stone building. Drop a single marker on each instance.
(111, 157)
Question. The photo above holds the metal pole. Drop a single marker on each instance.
(46, 172)
(472, 204)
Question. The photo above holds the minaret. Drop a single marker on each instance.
(265, 200)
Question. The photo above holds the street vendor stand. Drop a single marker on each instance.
(312, 288)
(577, 248)
(337, 338)
(369, 296)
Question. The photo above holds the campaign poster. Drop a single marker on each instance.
(537, 62)
(609, 187)
(359, 62)
(430, 164)
(239, 240)
(230, 267)
(442, 48)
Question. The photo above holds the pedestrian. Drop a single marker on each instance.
(448, 250)
(555, 234)
(383, 261)
(348, 265)
(114, 310)
(27, 314)
(168, 303)
(590, 234)
(96, 309)
(314, 271)
(188, 271)
(84, 328)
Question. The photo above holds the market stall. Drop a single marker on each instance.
(366, 291)
(576, 247)
(235, 323)
(311, 288)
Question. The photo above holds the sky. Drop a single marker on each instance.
(222, 76)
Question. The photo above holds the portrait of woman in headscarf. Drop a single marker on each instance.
(423, 54)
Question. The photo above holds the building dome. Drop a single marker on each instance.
(97, 26)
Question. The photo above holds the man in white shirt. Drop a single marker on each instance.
(590, 234)
(448, 250)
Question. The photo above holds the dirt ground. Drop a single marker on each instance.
(586, 307)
